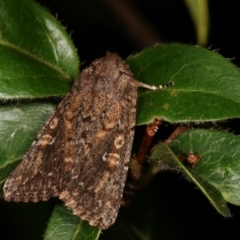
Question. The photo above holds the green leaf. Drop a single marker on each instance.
(163, 153)
(63, 225)
(220, 162)
(19, 125)
(206, 85)
(35, 63)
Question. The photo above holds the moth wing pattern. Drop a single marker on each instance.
(36, 178)
(83, 151)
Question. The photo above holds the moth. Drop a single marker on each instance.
(82, 153)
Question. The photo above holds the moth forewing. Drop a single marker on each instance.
(82, 153)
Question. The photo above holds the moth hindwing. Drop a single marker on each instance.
(82, 153)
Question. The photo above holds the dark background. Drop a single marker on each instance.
(96, 27)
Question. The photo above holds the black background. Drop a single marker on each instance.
(95, 27)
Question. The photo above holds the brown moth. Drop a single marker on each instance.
(82, 153)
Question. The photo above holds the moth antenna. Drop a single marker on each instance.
(151, 87)
(167, 85)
